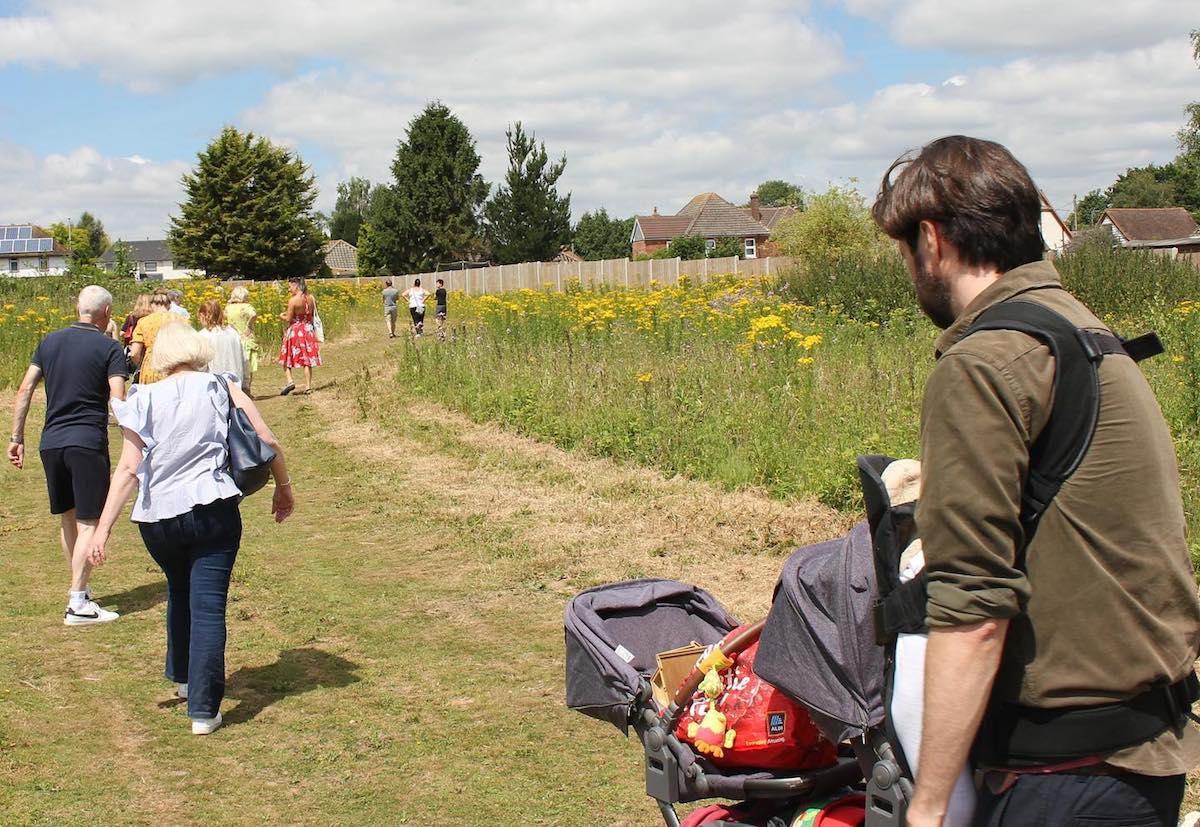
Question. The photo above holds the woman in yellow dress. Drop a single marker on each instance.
(241, 315)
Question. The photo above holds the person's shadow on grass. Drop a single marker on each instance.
(296, 671)
(137, 599)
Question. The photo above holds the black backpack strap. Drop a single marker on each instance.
(1062, 443)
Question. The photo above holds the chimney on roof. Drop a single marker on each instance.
(755, 210)
(655, 211)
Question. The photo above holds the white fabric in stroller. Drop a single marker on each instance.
(902, 479)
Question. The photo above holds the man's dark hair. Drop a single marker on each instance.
(441, 282)
(979, 195)
(387, 282)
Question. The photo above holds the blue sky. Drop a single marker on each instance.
(110, 100)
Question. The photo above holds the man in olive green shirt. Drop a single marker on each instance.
(1103, 607)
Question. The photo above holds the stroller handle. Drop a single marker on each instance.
(731, 644)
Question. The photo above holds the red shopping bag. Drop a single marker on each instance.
(771, 731)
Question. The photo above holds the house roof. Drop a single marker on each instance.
(1152, 224)
(771, 216)
(340, 255)
(708, 215)
(31, 231)
(140, 251)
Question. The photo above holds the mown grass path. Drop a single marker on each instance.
(395, 649)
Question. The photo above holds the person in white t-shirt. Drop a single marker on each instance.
(416, 296)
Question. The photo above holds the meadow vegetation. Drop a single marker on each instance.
(772, 384)
(30, 308)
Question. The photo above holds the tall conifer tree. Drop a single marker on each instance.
(430, 214)
(527, 220)
(248, 212)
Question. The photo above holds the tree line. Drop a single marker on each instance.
(248, 211)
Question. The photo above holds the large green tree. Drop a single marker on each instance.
(85, 237)
(777, 193)
(248, 213)
(350, 211)
(598, 237)
(527, 220)
(431, 212)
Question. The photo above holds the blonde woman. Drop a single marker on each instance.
(175, 457)
(228, 355)
(141, 308)
(145, 333)
(241, 315)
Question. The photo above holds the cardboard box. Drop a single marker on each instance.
(673, 667)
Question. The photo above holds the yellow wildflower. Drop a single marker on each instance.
(645, 378)
(805, 360)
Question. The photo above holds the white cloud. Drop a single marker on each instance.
(132, 198)
(1030, 25)
(650, 103)
(1076, 122)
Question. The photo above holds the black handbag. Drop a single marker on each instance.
(249, 457)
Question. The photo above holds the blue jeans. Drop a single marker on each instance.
(196, 552)
(1069, 800)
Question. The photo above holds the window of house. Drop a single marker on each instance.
(43, 263)
(750, 248)
(151, 267)
(710, 244)
(14, 265)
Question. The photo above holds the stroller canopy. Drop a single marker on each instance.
(818, 645)
(614, 632)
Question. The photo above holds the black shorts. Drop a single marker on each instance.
(441, 313)
(77, 478)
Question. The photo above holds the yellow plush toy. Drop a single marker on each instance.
(710, 736)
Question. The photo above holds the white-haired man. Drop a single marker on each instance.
(82, 369)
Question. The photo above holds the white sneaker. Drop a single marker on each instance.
(205, 726)
(181, 690)
(88, 612)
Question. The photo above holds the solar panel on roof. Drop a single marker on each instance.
(10, 232)
(24, 232)
(47, 245)
(6, 246)
(19, 246)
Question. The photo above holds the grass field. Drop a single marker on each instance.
(395, 649)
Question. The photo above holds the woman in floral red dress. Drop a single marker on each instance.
(300, 347)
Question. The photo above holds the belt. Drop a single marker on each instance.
(999, 781)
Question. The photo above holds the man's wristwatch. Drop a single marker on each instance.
(16, 440)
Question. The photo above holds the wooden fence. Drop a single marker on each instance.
(619, 272)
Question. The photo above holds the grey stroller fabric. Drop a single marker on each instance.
(613, 633)
(818, 645)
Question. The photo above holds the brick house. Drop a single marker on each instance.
(711, 217)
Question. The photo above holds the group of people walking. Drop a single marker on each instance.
(416, 296)
(175, 422)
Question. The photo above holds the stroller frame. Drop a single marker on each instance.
(621, 693)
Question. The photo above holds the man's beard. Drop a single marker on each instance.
(933, 294)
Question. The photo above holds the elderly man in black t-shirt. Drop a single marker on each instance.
(83, 369)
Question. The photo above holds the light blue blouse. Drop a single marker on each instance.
(183, 421)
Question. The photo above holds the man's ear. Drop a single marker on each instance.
(930, 241)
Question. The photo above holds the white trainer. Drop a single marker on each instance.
(87, 613)
(205, 726)
(181, 690)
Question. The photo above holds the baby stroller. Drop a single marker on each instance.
(819, 647)
(613, 634)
